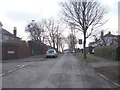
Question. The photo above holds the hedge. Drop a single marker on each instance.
(109, 52)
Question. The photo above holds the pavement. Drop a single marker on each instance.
(8, 66)
(65, 71)
(102, 62)
(29, 59)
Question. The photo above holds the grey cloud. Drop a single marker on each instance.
(19, 16)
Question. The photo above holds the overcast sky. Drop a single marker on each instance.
(18, 13)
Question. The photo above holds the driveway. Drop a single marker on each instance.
(65, 71)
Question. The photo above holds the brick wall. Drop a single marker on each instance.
(15, 50)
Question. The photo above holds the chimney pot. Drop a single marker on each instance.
(15, 31)
(1, 25)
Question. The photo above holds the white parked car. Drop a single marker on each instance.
(51, 53)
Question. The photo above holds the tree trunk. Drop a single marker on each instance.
(57, 47)
(57, 44)
(84, 47)
(53, 44)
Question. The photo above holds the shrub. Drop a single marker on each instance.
(109, 52)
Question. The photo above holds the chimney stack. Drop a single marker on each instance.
(1, 25)
(102, 33)
(15, 31)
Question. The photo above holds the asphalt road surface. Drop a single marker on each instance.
(66, 71)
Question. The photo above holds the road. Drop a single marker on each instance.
(66, 71)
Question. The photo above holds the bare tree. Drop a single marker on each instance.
(85, 15)
(54, 32)
(71, 41)
(36, 30)
(46, 31)
(61, 43)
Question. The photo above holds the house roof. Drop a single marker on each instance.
(115, 40)
(91, 43)
(5, 32)
(109, 35)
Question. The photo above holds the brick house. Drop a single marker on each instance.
(12, 47)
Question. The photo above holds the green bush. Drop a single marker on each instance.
(109, 52)
(35, 47)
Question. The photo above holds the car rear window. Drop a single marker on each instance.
(51, 51)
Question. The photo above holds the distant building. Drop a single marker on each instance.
(108, 39)
(104, 40)
(12, 46)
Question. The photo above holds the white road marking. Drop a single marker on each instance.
(18, 67)
(10, 71)
(2, 74)
(109, 80)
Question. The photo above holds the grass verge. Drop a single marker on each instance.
(39, 57)
(90, 58)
